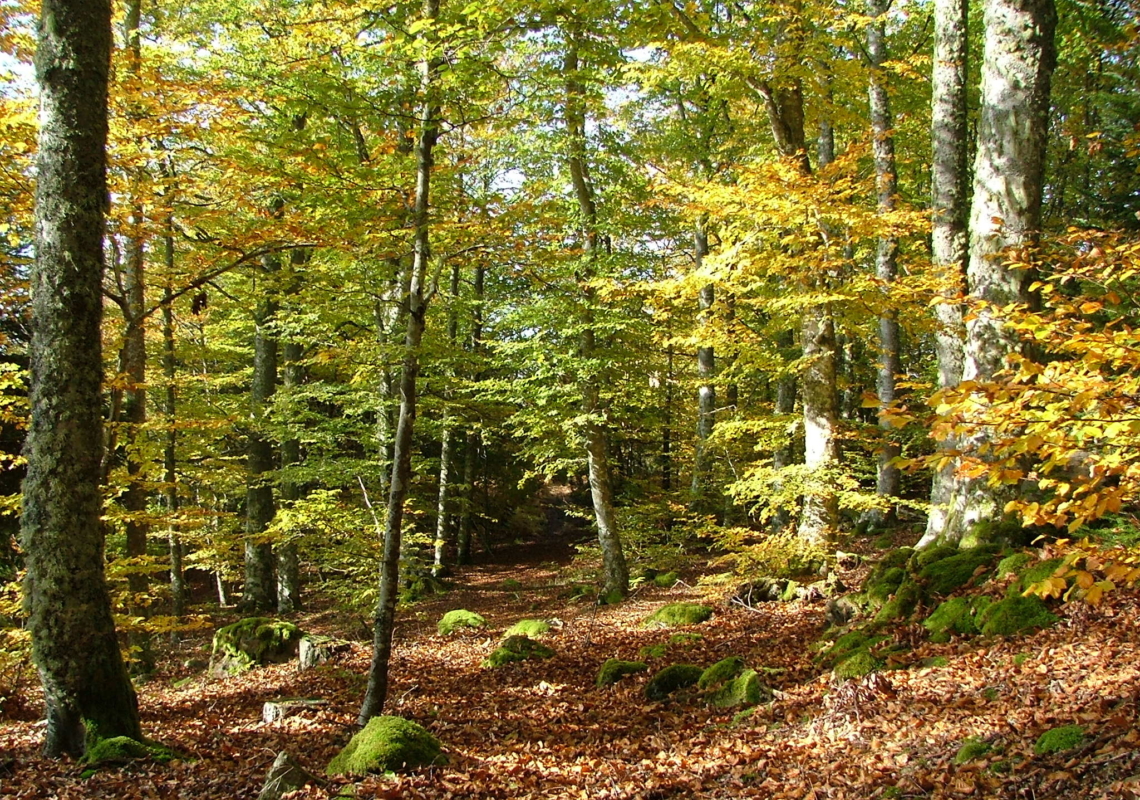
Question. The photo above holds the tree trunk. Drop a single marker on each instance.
(293, 375)
(886, 257)
(170, 448)
(86, 688)
(706, 372)
(949, 199)
(446, 449)
(259, 593)
(615, 578)
(385, 614)
(471, 447)
(1005, 212)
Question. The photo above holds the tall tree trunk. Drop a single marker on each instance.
(949, 199)
(259, 593)
(385, 614)
(706, 373)
(178, 590)
(615, 579)
(886, 257)
(471, 447)
(293, 377)
(1005, 212)
(447, 448)
(86, 688)
(667, 428)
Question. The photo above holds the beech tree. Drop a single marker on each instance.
(86, 687)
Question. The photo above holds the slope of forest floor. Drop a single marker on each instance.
(542, 729)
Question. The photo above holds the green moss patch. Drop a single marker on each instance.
(1059, 739)
(957, 616)
(1034, 574)
(1013, 564)
(459, 618)
(1015, 615)
(971, 749)
(924, 558)
(387, 744)
(666, 580)
(953, 572)
(653, 650)
(848, 644)
(121, 749)
(746, 689)
(529, 627)
(901, 605)
(615, 669)
(671, 679)
(678, 614)
(517, 648)
(723, 670)
(254, 641)
(857, 665)
(880, 590)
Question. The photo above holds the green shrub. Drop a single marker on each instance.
(677, 614)
(672, 678)
(459, 618)
(723, 670)
(1064, 738)
(387, 744)
(517, 648)
(615, 669)
(528, 627)
(1015, 615)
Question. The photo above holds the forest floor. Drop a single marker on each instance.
(541, 729)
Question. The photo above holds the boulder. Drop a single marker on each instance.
(286, 775)
(517, 648)
(459, 618)
(676, 614)
(252, 642)
(671, 679)
(761, 590)
(315, 650)
(387, 744)
(615, 669)
(841, 611)
(275, 710)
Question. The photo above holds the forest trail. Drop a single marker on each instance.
(541, 729)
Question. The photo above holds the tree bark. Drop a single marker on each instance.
(706, 372)
(293, 377)
(471, 446)
(385, 614)
(950, 201)
(443, 526)
(178, 590)
(1005, 212)
(86, 688)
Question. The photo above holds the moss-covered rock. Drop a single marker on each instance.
(857, 665)
(1057, 740)
(901, 605)
(529, 627)
(254, 641)
(615, 669)
(666, 580)
(957, 616)
(422, 586)
(848, 644)
(1013, 563)
(971, 749)
(1034, 573)
(881, 589)
(677, 614)
(654, 650)
(924, 558)
(899, 557)
(671, 679)
(121, 749)
(459, 618)
(724, 670)
(387, 744)
(1015, 615)
(953, 572)
(517, 648)
(746, 689)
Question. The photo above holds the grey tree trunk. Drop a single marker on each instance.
(1005, 212)
(950, 201)
(615, 578)
(443, 521)
(260, 590)
(178, 590)
(86, 688)
(385, 615)
(706, 373)
(471, 446)
(293, 377)
(886, 257)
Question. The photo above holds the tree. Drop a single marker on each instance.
(1005, 213)
(86, 687)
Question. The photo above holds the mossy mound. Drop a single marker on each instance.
(671, 679)
(1013, 564)
(924, 558)
(957, 616)
(387, 744)
(517, 648)
(848, 644)
(1015, 615)
(723, 670)
(678, 614)
(423, 586)
(653, 650)
(746, 689)
(529, 627)
(1033, 574)
(615, 669)
(880, 590)
(971, 749)
(254, 641)
(902, 604)
(1059, 739)
(511, 585)
(459, 618)
(121, 749)
(953, 572)
(897, 558)
(857, 665)
(666, 580)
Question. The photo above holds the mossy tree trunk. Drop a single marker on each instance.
(86, 687)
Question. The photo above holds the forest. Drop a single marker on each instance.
(570, 398)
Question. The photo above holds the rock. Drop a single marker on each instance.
(745, 690)
(615, 669)
(901, 604)
(723, 670)
(459, 618)
(847, 560)
(762, 590)
(840, 612)
(387, 744)
(517, 648)
(316, 650)
(252, 642)
(676, 614)
(529, 627)
(666, 580)
(286, 775)
(670, 679)
(952, 572)
(274, 710)
(1015, 615)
